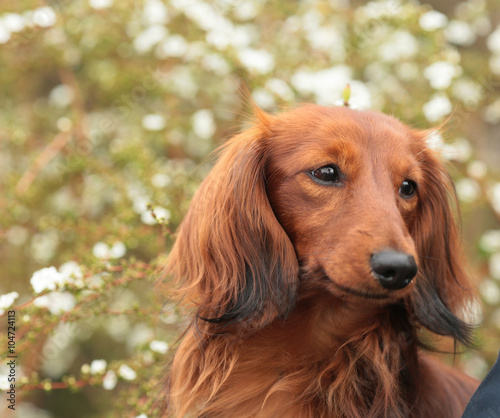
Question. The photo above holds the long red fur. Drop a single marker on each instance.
(264, 258)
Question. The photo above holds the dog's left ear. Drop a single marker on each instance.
(443, 291)
(232, 257)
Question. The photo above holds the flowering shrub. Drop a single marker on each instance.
(109, 110)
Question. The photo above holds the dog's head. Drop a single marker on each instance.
(355, 199)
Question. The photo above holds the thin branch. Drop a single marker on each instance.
(46, 156)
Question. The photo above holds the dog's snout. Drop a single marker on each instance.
(394, 270)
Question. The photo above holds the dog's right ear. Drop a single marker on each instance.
(443, 291)
(232, 258)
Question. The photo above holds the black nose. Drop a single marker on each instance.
(392, 269)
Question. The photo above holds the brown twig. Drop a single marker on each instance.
(69, 78)
(57, 385)
(46, 156)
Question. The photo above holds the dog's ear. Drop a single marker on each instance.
(236, 263)
(443, 293)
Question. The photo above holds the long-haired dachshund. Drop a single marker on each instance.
(316, 254)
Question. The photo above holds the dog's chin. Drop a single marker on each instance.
(363, 294)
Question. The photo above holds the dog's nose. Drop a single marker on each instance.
(393, 270)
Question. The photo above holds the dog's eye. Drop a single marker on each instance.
(407, 189)
(326, 174)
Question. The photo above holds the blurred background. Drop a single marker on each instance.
(108, 110)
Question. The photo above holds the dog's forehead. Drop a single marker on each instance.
(321, 129)
(340, 122)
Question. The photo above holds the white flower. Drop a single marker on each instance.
(460, 33)
(100, 4)
(109, 380)
(256, 60)
(482, 25)
(13, 22)
(158, 346)
(202, 13)
(44, 245)
(434, 140)
(215, 63)
(96, 281)
(493, 41)
(326, 84)
(377, 10)
(100, 250)
(118, 327)
(46, 278)
(72, 273)
(140, 203)
(467, 91)
(64, 124)
(245, 10)
(173, 46)
(477, 169)
(203, 123)
(117, 250)
(161, 180)
(4, 382)
(468, 190)
(440, 74)
(149, 38)
(476, 366)
(44, 17)
(432, 20)
(141, 416)
(140, 334)
(103, 251)
(401, 44)
(169, 317)
(7, 300)
(153, 122)
(98, 366)
(490, 292)
(263, 98)
(458, 150)
(492, 112)
(437, 107)
(126, 372)
(56, 302)
(241, 36)
(280, 87)
(328, 39)
(490, 241)
(494, 266)
(161, 213)
(155, 12)
(182, 82)
(61, 96)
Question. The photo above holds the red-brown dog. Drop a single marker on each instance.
(320, 245)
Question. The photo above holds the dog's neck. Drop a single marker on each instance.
(328, 322)
(346, 360)
(334, 335)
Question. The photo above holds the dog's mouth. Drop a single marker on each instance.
(356, 292)
(328, 282)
